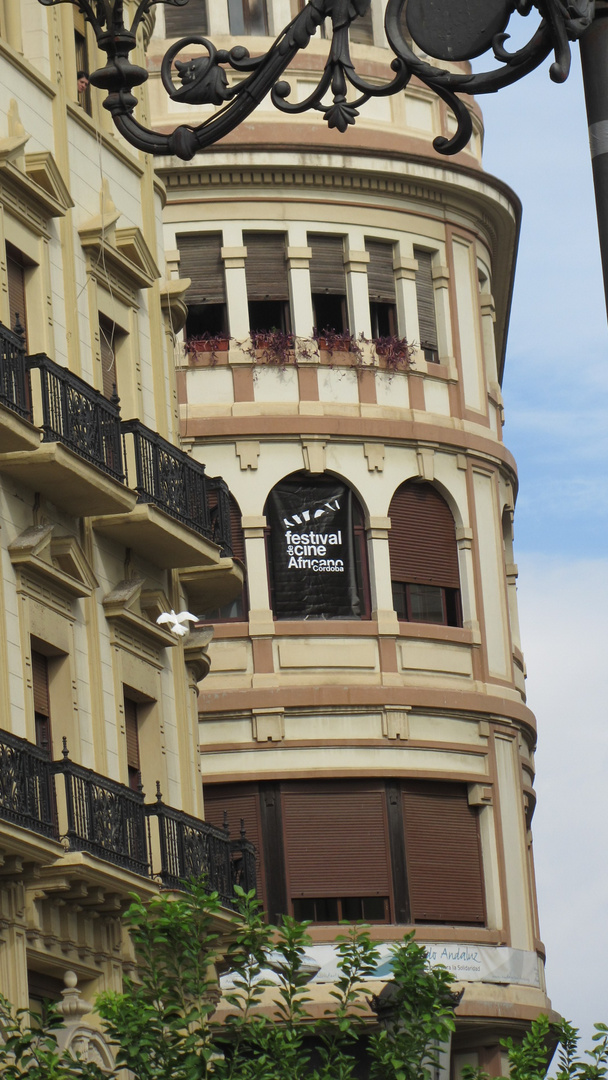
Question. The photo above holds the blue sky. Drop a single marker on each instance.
(556, 400)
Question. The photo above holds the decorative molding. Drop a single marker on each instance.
(174, 307)
(313, 452)
(119, 258)
(374, 452)
(268, 725)
(426, 463)
(131, 612)
(395, 722)
(196, 652)
(248, 453)
(58, 559)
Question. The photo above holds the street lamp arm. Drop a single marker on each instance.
(444, 30)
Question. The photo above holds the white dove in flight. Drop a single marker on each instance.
(177, 621)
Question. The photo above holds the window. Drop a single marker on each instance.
(237, 609)
(132, 737)
(185, 20)
(362, 29)
(15, 270)
(267, 281)
(42, 702)
(423, 556)
(425, 296)
(109, 335)
(82, 57)
(405, 851)
(201, 261)
(328, 283)
(248, 16)
(381, 287)
(316, 550)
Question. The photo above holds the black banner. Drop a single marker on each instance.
(312, 550)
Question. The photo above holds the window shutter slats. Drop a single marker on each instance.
(186, 20)
(336, 842)
(327, 274)
(425, 295)
(108, 359)
(422, 538)
(236, 525)
(380, 274)
(16, 290)
(201, 260)
(40, 683)
(443, 854)
(362, 30)
(240, 802)
(132, 734)
(266, 266)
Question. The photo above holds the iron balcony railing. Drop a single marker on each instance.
(14, 375)
(178, 485)
(81, 418)
(192, 848)
(104, 818)
(27, 791)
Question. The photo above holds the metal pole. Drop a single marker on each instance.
(594, 58)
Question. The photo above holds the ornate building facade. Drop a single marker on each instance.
(365, 713)
(105, 524)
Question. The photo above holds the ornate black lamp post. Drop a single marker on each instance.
(446, 30)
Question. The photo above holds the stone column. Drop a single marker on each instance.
(355, 263)
(234, 255)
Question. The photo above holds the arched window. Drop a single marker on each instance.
(316, 550)
(424, 556)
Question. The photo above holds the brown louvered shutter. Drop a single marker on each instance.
(425, 296)
(132, 734)
(201, 260)
(362, 30)
(107, 333)
(380, 273)
(186, 20)
(443, 854)
(336, 840)
(15, 271)
(40, 683)
(42, 704)
(422, 537)
(238, 536)
(327, 274)
(266, 266)
(241, 802)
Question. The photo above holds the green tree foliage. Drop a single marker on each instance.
(164, 1024)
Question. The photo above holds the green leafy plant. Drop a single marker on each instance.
(29, 1046)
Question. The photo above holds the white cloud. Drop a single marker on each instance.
(563, 607)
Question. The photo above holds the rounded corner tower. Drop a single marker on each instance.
(365, 711)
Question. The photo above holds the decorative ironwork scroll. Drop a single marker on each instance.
(449, 31)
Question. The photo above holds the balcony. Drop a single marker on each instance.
(182, 516)
(27, 792)
(16, 430)
(104, 818)
(79, 465)
(191, 848)
(97, 815)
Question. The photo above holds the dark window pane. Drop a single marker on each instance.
(399, 599)
(329, 312)
(304, 910)
(384, 319)
(268, 315)
(326, 909)
(206, 319)
(352, 908)
(374, 908)
(426, 603)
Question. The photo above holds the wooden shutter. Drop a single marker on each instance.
(425, 295)
(422, 537)
(201, 260)
(16, 286)
(239, 802)
(362, 30)
(380, 273)
(236, 528)
(327, 273)
(40, 683)
(443, 854)
(186, 20)
(107, 340)
(132, 734)
(336, 840)
(266, 266)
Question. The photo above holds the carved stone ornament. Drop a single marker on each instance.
(448, 30)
